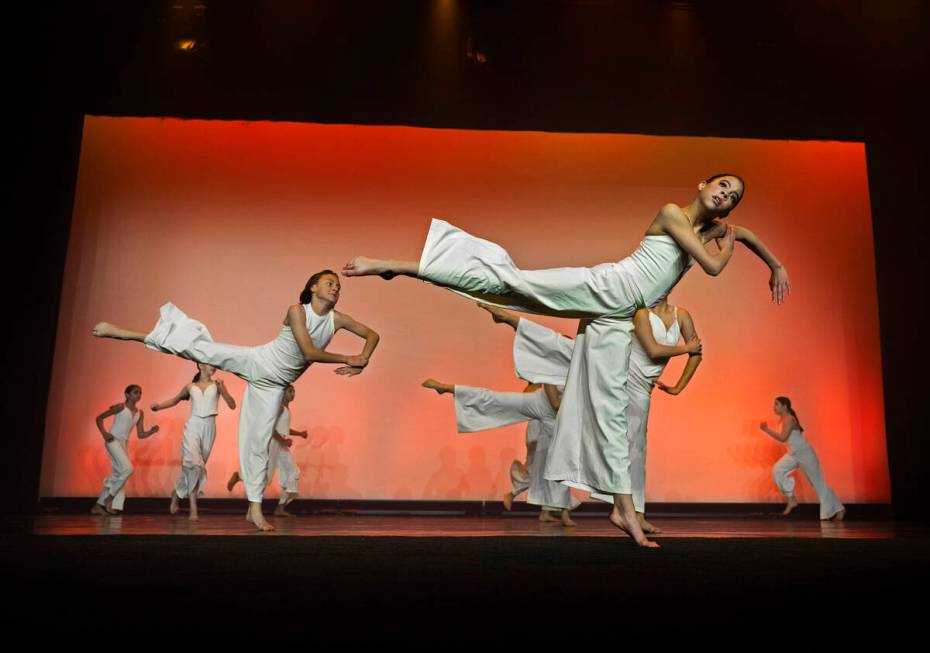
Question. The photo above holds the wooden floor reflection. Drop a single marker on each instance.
(348, 525)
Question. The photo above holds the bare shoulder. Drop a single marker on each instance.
(296, 311)
(340, 320)
(672, 211)
(115, 408)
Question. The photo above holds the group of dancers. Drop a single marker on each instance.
(587, 400)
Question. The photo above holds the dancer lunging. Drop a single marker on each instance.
(267, 369)
(479, 409)
(590, 449)
(116, 441)
(800, 454)
(203, 393)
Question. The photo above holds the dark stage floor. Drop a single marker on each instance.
(394, 576)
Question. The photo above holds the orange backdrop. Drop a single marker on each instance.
(228, 219)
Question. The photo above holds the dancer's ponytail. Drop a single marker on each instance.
(784, 401)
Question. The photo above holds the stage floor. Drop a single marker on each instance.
(227, 524)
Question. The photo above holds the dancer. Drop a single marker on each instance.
(479, 409)
(204, 393)
(590, 449)
(116, 441)
(800, 454)
(544, 355)
(279, 457)
(267, 369)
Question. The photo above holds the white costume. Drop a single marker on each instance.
(801, 454)
(197, 442)
(279, 457)
(590, 449)
(118, 452)
(267, 369)
(478, 409)
(542, 355)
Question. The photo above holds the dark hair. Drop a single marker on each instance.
(784, 401)
(312, 281)
(131, 387)
(729, 174)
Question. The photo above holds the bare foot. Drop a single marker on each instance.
(508, 501)
(792, 504)
(98, 510)
(646, 526)
(362, 266)
(439, 387)
(255, 516)
(173, 507)
(545, 517)
(281, 512)
(567, 520)
(840, 516)
(108, 506)
(631, 528)
(231, 483)
(193, 516)
(499, 315)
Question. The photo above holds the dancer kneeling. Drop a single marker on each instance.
(307, 329)
(479, 409)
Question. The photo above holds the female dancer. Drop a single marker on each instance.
(478, 409)
(800, 454)
(199, 433)
(545, 355)
(280, 455)
(116, 440)
(590, 449)
(268, 369)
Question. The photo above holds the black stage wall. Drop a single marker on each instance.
(779, 70)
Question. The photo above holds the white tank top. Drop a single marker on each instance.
(123, 423)
(203, 402)
(287, 359)
(656, 266)
(644, 370)
(283, 425)
(796, 441)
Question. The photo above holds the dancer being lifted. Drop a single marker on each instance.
(590, 449)
(204, 393)
(479, 409)
(267, 369)
(800, 454)
(544, 355)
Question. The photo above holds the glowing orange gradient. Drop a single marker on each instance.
(228, 219)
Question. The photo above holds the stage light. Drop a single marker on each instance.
(185, 45)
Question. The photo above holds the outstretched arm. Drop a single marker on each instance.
(688, 332)
(183, 394)
(140, 427)
(778, 281)
(643, 330)
(675, 223)
(371, 337)
(112, 410)
(297, 320)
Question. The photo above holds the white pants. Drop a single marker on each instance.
(805, 458)
(288, 476)
(479, 409)
(196, 444)
(114, 484)
(177, 334)
(590, 449)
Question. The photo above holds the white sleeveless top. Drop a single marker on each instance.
(283, 425)
(796, 441)
(656, 266)
(287, 360)
(203, 402)
(644, 370)
(123, 423)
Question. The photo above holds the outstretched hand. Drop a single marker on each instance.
(779, 285)
(764, 425)
(348, 370)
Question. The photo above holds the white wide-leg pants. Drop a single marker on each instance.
(114, 485)
(196, 445)
(805, 458)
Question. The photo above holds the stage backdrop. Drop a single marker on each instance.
(228, 219)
